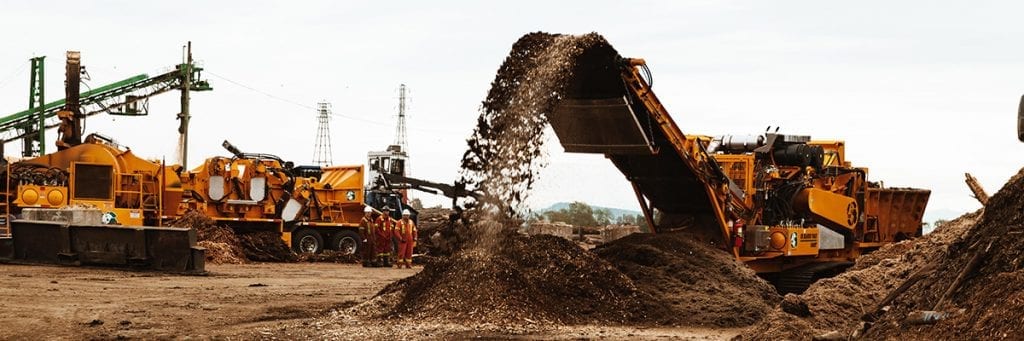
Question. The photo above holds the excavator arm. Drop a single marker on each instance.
(454, 191)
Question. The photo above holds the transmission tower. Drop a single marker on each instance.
(322, 152)
(400, 139)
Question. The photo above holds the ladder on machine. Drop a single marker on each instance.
(5, 203)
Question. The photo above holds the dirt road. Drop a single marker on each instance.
(251, 301)
(46, 302)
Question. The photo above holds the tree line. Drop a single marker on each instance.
(581, 214)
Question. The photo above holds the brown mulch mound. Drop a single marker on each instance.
(527, 279)
(989, 304)
(704, 285)
(222, 253)
(644, 279)
(266, 246)
(222, 244)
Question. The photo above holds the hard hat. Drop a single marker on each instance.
(368, 209)
(386, 208)
(406, 212)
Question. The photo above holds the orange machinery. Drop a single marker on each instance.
(312, 208)
(791, 208)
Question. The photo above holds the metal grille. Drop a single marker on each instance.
(94, 182)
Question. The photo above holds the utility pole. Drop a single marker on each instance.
(322, 154)
(184, 116)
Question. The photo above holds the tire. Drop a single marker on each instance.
(347, 242)
(307, 241)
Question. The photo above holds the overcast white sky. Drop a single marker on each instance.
(921, 91)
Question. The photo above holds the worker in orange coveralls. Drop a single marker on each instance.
(367, 232)
(385, 229)
(405, 232)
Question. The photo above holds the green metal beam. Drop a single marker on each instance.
(143, 86)
(51, 107)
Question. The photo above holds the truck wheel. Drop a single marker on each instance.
(346, 242)
(307, 241)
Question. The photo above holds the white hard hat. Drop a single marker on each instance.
(368, 209)
(406, 212)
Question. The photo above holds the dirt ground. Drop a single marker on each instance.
(239, 301)
(47, 302)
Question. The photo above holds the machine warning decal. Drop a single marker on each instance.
(792, 240)
(109, 218)
(851, 214)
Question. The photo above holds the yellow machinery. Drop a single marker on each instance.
(313, 208)
(126, 188)
(129, 196)
(808, 211)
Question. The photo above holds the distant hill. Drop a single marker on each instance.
(616, 212)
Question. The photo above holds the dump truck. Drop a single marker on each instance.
(313, 208)
(794, 209)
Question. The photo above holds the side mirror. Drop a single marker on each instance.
(1020, 120)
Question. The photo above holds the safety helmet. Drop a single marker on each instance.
(368, 209)
(406, 212)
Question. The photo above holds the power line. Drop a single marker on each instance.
(299, 104)
(14, 72)
(261, 92)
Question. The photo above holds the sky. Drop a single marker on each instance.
(920, 91)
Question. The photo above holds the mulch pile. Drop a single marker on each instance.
(265, 246)
(224, 246)
(989, 302)
(535, 279)
(642, 279)
(702, 284)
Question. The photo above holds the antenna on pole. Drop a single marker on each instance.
(322, 151)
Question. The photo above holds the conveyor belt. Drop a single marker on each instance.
(608, 110)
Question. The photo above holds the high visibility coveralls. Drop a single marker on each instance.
(405, 232)
(368, 233)
(385, 228)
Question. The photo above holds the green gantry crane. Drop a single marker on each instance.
(128, 97)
